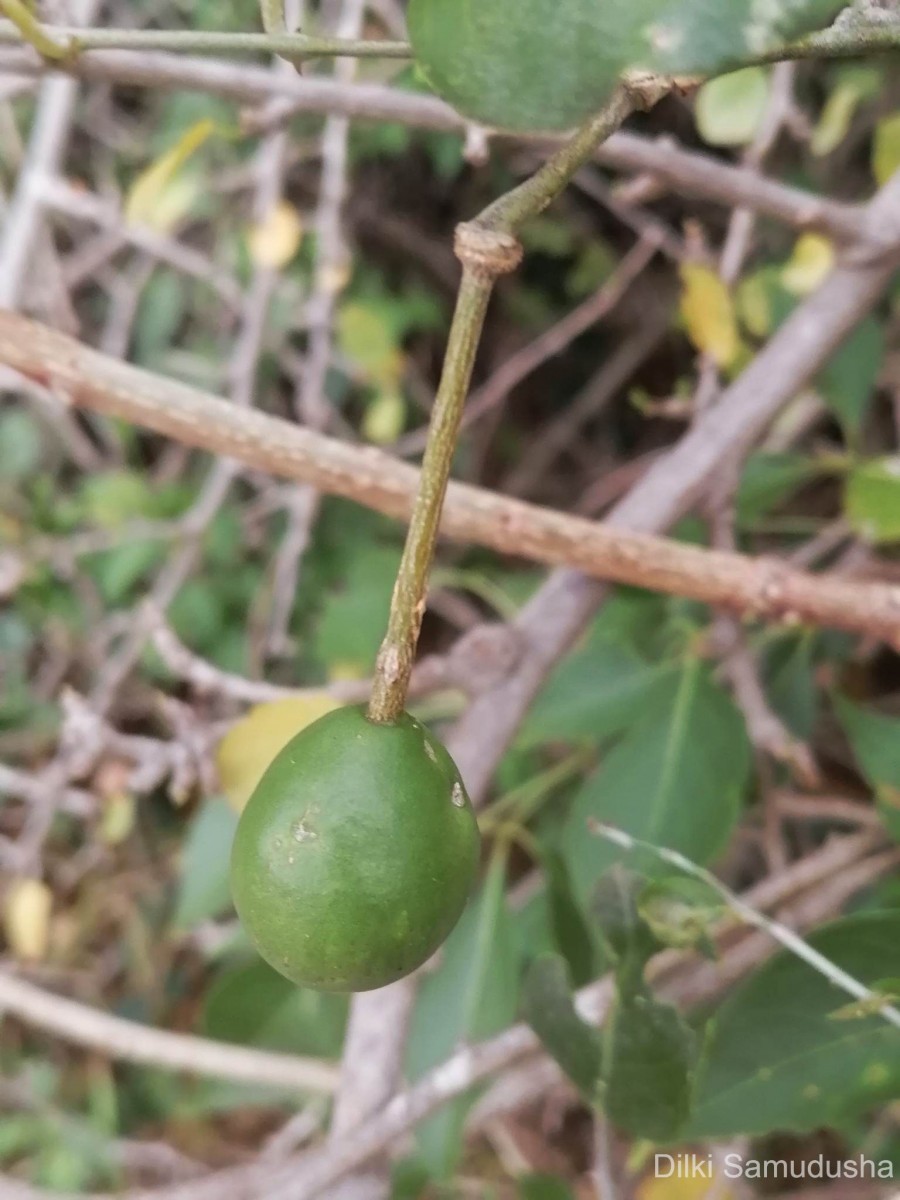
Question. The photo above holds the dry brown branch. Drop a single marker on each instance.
(132, 1042)
(760, 588)
(690, 173)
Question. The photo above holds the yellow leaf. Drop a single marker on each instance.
(886, 149)
(276, 239)
(695, 1187)
(366, 337)
(754, 306)
(248, 747)
(117, 820)
(384, 419)
(158, 197)
(810, 264)
(707, 310)
(26, 918)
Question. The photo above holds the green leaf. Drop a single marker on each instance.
(569, 928)
(204, 890)
(614, 906)
(875, 740)
(595, 693)
(21, 445)
(778, 1061)
(886, 148)
(872, 499)
(473, 994)
(253, 1005)
(112, 498)
(351, 626)
(848, 382)
(544, 1187)
(549, 1008)
(731, 108)
(548, 64)
(674, 779)
(649, 1059)
(770, 479)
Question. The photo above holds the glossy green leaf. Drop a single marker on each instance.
(648, 1072)
(472, 994)
(872, 499)
(548, 64)
(549, 1008)
(674, 779)
(777, 1059)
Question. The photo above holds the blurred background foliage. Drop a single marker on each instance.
(128, 907)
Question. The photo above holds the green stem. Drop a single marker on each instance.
(395, 660)
(32, 32)
(530, 198)
(487, 249)
(189, 41)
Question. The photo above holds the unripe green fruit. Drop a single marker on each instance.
(355, 855)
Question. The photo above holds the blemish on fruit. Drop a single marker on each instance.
(812, 1092)
(458, 796)
(302, 832)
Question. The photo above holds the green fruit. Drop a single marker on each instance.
(355, 855)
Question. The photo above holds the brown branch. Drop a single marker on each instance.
(759, 588)
(160, 1048)
(687, 172)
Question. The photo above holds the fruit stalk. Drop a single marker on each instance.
(487, 248)
(398, 650)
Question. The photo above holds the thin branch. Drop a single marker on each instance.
(132, 1042)
(762, 588)
(559, 613)
(785, 937)
(687, 172)
(202, 41)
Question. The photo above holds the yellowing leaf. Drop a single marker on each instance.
(810, 264)
(855, 84)
(886, 149)
(26, 918)
(117, 820)
(707, 310)
(248, 747)
(384, 419)
(276, 239)
(158, 197)
(366, 337)
(663, 1187)
(754, 306)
